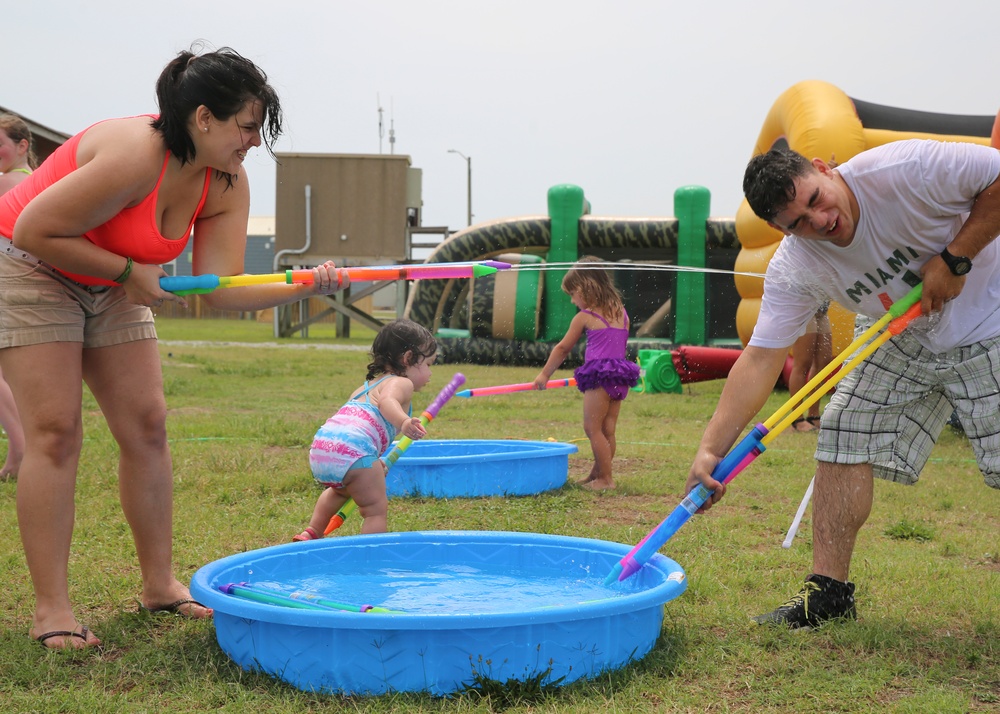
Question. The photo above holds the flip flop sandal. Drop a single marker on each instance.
(41, 639)
(308, 534)
(173, 608)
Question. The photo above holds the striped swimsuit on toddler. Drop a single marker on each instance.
(353, 438)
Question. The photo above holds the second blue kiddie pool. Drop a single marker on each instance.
(479, 467)
(434, 611)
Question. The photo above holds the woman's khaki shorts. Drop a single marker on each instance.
(39, 305)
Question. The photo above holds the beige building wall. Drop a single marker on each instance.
(355, 210)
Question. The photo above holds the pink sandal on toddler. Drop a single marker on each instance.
(308, 534)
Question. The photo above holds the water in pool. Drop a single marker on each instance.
(453, 589)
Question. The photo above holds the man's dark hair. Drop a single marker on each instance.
(769, 180)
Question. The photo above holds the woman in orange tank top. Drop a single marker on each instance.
(82, 242)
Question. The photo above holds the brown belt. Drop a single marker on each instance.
(7, 247)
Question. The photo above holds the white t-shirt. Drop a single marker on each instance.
(914, 196)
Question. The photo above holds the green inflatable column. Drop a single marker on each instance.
(691, 206)
(566, 205)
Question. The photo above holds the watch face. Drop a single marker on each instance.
(961, 266)
(957, 264)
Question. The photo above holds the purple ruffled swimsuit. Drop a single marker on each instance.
(604, 364)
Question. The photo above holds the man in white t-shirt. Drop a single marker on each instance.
(863, 234)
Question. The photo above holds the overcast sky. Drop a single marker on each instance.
(629, 100)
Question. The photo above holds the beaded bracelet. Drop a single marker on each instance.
(125, 273)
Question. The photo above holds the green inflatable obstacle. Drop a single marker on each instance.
(657, 373)
(691, 206)
(566, 206)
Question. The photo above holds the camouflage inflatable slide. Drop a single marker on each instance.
(514, 317)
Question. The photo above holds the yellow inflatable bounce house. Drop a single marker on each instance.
(820, 121)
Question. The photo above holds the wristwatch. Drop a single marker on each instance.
(957, 264)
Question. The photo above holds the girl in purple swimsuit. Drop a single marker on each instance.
(606, 373)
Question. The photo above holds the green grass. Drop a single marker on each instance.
(927, 566)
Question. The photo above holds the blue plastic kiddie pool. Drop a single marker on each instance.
(479, 467)
(461, 605)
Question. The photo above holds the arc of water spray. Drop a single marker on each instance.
(653, 267)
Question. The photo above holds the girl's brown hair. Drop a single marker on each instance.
(596, 286)
(17, 129)
(394, 341)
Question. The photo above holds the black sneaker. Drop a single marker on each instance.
(821, 599)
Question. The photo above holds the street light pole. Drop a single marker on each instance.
(468, 166)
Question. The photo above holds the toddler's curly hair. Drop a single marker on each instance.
(394, 341)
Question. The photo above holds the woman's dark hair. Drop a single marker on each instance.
(394, 341)
(769, 180)
(222, 80)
